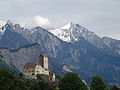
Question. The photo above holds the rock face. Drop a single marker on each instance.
(113, 44)
(19, 57)
(73, 32)
(71, 48)
(3, 64)
(11, 39)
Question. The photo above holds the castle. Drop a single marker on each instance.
(32, 69)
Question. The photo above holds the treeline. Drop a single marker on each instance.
(10, 81)
(71, 81)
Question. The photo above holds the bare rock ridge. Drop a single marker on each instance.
(19, 57)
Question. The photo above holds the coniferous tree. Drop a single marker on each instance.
(71, 81)
(97, 83)
(6, 79)
(10, 81)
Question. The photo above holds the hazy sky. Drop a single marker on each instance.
(99, 16)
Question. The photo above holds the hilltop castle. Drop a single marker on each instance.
(32, 69)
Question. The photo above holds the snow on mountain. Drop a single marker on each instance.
(73, 32)
(67, 26)
(2, 23)
(3, 27)
(65, 68)
(64, 56)
(65, 33)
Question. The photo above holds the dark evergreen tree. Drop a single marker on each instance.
(72, 81)
(97, 83)
(6, 79)
(18, 84)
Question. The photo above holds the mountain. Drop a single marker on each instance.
(49, 43)
(112, 43)
(19, 57)
(73, 32)
(70, 48)
(2, 23)
(11, 39)
(11, 67)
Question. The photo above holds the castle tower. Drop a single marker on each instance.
(43, 61)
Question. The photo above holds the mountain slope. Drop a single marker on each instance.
(3, 64)
(113, 44)
(19, 57)
(84, 53)
(10, 38)
(49, 43)
(73, 32)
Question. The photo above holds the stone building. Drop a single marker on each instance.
(31, 69)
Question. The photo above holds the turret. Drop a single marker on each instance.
(43, 61)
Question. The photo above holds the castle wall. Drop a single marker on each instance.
(45, 63)
(41, 70)
(29, 71)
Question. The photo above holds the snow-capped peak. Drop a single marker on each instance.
(74, 32)
(67, 26)
(2, 23)
(69, 33)
(63, 33)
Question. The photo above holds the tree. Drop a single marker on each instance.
(115, 88)
(42, 84)
(18, 84)
(71, 81)
(6, 79)
(10, 81)
(97, 83)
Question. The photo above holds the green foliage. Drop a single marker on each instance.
(6, 79)
(97, 83)
(42, 82)
(39, 77)
(71, 81)
(9, 81)
(115, 88)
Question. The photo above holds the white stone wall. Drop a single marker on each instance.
(40, 70)
(29, 71)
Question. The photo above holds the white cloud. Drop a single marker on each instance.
(41, 21)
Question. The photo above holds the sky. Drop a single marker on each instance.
(99, 16)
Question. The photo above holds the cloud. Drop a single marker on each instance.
(41, 21)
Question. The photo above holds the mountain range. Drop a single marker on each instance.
(71, 48)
